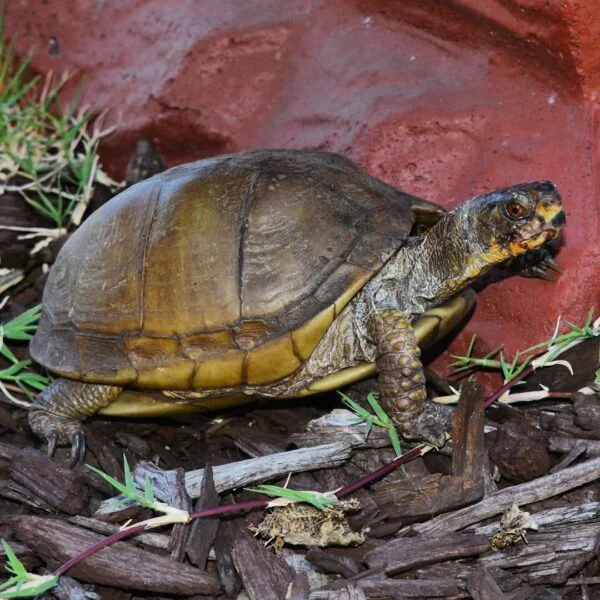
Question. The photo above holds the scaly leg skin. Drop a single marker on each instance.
(57, 412)
(401, 378)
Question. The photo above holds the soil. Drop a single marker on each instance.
(408, 548)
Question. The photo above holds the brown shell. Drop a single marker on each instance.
(218, 273)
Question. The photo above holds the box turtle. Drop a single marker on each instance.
(272, 273)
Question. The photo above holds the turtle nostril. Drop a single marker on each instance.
(559, 220)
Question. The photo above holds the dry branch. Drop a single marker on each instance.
(526, 493)
(254, 470)
(552, 556)
(563, 515)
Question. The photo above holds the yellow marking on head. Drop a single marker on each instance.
(548, 211)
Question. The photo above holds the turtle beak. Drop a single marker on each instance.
(553, 223)
(559, 220)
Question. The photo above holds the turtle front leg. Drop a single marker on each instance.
(401, 378)
(57, 412)
(535, 263)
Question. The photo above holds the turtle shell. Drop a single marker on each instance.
(219, 273)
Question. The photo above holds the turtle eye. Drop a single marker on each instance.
(514, 210)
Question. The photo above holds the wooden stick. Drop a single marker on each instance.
(526, 493)
(244, 472)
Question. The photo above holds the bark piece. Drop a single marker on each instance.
(179, 499)
(351, 592)
(25, 554)
(62, 488)
(120, 565)
(550, 556)
(265, 576)
(70, 589)
(482, 585)
(299, 588)
(227, 532)
(586, 408)
(560, 516)
(331, 562)
(355, 435)
(400, 588)
(8, 451)
(439, 493)
(11, 490)
(525, 493)
(203, 531)
(402, 554)
(564, 445)
(106, 452)
(467, 436)
(521, 456)
(154, 540)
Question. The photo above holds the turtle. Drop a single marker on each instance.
(273, 273)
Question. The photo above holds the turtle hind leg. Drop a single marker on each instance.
(401, 378)
(57, 412)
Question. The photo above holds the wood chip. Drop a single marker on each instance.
(565, 445)
(62, 488)
(402, 554)
(120, 565)
(299, 588)
(178, 498)
(551, 556)
(563, 515)
(521, 495)
(265, 576)
(439, 493)
(334, 562)
(227, 532)
(482, 586)
(401, 588)
(203, 531)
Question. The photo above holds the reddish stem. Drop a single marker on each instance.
(524, 373)
(381, 472)
(107, 541)
(227, 508)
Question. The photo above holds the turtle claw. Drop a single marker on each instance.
(58, 430)
(52, 441)
(78, 448)
(550, 263)
(539, 273)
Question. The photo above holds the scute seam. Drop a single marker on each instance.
(248, 200)
(154, 198)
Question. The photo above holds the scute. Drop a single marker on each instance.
(223, 272)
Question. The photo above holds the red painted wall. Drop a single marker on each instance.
(445, 101)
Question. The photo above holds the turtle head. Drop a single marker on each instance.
(514, 220)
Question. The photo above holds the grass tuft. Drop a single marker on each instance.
(48, 155)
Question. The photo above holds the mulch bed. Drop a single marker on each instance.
(429, 527)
